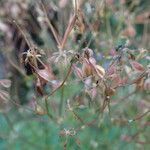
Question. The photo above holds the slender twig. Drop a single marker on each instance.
(78, 117)
(15, 66)
(51, 26)
(68, 73)
(19, 105)
(76, 6)
(61, 101)
(70, 24)
(141, 116)
(68, 30)
(142, 142)
(23, 34)
(126, 97)
(47, 109)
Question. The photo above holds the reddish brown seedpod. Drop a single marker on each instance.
(88, 62)
(90, 67)
(87, 69)
(101, 70)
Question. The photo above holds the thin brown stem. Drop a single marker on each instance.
(68, 30)
(23, 34)
(47, 109)
(68, 73)
(51, 26)
(141, 116)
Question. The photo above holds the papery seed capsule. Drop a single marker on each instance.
(86, 69)
(100, 70)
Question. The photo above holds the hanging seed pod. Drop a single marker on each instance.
(100, 70)
(88, 62)
(86, 69)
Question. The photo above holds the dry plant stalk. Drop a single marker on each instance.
(56, 36)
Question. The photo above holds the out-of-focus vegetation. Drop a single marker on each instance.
(74, 75)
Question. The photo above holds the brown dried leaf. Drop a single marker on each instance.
(45, 75)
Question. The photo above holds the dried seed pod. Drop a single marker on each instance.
(87, 69)
(101, 70)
